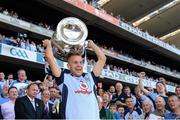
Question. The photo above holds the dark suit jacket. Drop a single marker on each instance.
(1, 117)
(49, 114)
(25, 110)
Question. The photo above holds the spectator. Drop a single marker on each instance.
(128, 93)
(21, 83)
(121, 111)
(132, 114)
(140, 98)
(105, 113)
(111, 91)
(15, 15)
(147, 110)
(177, 90)
(119, 97)
(2, 81)
(6, 12)
(29, 107)
(28, 47)
(105, 100)
(100, 92)
(113, 109)
(48, 106)
(7, 108)
(160, 87)
(163, 80)
(4, 95)
(53, 94)
(174, 103)
(50, 81)
(40, 48)
(22, 43)
(33, 47)
(160, 111)
(10, 78)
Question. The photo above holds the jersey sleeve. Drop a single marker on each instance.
(59, 80)
(95, 79)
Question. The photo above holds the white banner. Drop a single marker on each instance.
(131, 79)
(25, 25)
(19, 53)
(148, 37)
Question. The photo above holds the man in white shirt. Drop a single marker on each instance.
(7, 108)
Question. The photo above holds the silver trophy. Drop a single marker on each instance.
(71, 33)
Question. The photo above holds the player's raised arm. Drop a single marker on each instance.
(101, 58)
(50, 58)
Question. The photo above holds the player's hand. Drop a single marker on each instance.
(90, 43)
(46, 43)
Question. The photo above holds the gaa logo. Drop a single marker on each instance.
(19, 53)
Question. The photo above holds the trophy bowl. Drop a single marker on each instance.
(71, 33)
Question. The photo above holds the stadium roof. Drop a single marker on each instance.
(160, 18)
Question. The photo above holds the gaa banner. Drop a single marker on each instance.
(18, 53)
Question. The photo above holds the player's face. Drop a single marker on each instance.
(75, 65)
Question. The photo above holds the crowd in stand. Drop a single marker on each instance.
(126, 71)
(22, 42)
(118, 102)
(95, 4)
(143, 61)
(11, 89)
(15, 15)
(38, 48)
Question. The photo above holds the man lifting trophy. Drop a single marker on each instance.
(78, 89)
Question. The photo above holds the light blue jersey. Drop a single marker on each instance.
(78, 96)
(21, 86)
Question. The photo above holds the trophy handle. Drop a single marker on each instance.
(86, 44)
